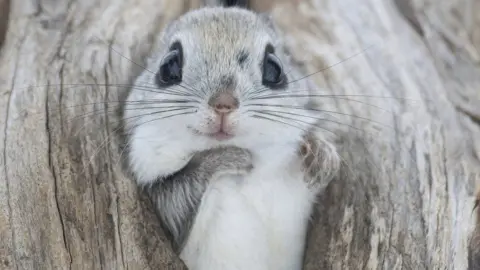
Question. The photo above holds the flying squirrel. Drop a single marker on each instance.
(221, 137)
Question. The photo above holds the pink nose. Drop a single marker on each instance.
(224, 103)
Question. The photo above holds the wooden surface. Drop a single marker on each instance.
(405, 93)
(4, 8)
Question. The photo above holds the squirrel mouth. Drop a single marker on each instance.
(220, 135)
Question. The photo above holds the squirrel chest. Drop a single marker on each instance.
(254, 221)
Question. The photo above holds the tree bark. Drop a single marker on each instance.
(403, 78)
(4, 8)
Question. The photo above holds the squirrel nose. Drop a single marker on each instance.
(224, 103)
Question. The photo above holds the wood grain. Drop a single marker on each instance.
(403, 79)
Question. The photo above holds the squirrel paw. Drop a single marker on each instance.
(320, 161)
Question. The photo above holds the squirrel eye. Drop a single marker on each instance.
(170, 71)
(273, 76)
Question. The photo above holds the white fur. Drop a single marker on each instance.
(253, 222)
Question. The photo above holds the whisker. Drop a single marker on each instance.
(141, 88)
(151, 113)
(326, 96)
(121, 126)
(297, 120)
(270, 112)
(331, 66)
(124, 120)
(329, 95)
(321, 70)
(278, 121)
(127, 109)
(133, 62)
(282, 117)
(319, 110)
(133, 103)
(171, 91)
(168, 116)
(153, 89)
(363, 131)
(137, 102)
(144, 67)
(191, 90)
(90, 160)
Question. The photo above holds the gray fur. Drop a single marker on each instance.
(177, 197)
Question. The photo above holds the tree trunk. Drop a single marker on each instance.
(406, 80)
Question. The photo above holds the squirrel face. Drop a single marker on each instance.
(222, 77)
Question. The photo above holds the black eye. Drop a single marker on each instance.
(273, 76)
(170, 71)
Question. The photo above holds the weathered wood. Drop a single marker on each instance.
(4, 8)
(65, 201)
(405, 196)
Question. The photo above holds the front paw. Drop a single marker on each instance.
(320, 161)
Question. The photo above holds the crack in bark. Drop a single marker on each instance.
(52, 167)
